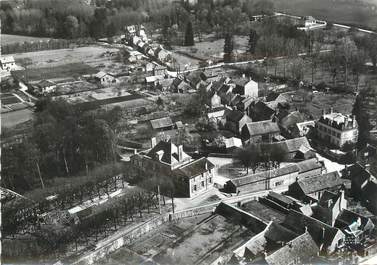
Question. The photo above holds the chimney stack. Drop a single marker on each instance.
(345, 121)
(331, 110)
(353, 121)
(153, 142)
(323, 112)
(180, 153)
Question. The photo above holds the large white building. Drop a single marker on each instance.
(337, 128)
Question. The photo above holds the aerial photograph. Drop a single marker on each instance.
(188, 132)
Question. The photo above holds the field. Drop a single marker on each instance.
(13, 118)
(93, 56)
(345, 11)
(209, 48)
(10, 39)
(55, 72)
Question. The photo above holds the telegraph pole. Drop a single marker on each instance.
(158, 195)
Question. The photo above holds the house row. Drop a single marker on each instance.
(276, 178)
(300, 233)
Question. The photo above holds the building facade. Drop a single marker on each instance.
(337, 129)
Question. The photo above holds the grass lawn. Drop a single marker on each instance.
(62, 71)
(346, 11)
(11, 39)
(13, 118)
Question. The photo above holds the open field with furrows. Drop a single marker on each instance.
(362, 12)
(208, 48)
(94, 56)
(195, 240)
(55, 72)
(10, 39)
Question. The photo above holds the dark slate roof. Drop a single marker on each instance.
(195, 168)
(161, 123)
(262, 127)
(235, 115)
(263, 175)
(169, 152)
(302, 248)
(292, 119)
(327, 196)
(357, 173)
(347, 217)
(321, 182)
(370, 192)
(278, 233)
(298, 222)
(279, 198)
(309, 164)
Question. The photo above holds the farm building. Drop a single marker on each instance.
(162, 124)
(106, 79)
(262, 131)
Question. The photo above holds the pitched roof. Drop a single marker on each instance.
(309, 164)
(45, 83)
(263, 175)
(262, 127)
(235, 115)
(161, 123)
(7, 59)
(232, 142)
(168, 152)
(278, 233)
(321, 233)
(347, 217)
(279, 198)
(293, 145)
(302, 248)
(320, 182)
(195, 168)
(292, 119)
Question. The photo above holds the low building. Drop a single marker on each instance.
(106, 79)
(235, 120)
(265, 180)
(301, 250)
(311, 189)
(166, 161)
(301, 129)
(329, 206)
(162, 124)
(45, 87)
(8, 63)
(327, 238)
(296, 149)
(262, 131)
(309, 168)
(337, 129)
(246, 87)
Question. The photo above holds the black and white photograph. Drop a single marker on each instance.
(188, 132)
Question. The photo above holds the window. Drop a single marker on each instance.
(202, 183)
(210, 180)
(279, 183)
(338, 135)
(194, 187)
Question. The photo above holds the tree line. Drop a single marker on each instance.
(64, 141)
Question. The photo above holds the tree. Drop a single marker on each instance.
(71, 26)
(228, 47)
(160, 102)
(253, 39)
(189, 35)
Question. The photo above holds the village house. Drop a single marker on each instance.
(215, 101)
(44, 87)
(216, 114)
(363, 186)
(312, 188)
(8, 63)
(302, 128)
(296, 149)
(337, 129)
(106, 79)
(261, 131)
(301, 250)
(235, 120)
(162, 124)
(309, 168)
(327, 238)
(329, 206)
(167, 161)
(263, 180)
(356, 227)
(246, 87)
